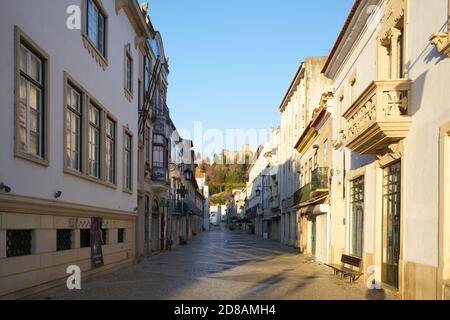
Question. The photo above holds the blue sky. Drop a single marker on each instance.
(231, 61)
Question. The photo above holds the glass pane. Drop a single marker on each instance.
(101, 33)
(73, 99)
(34, 121)
(110, 128)
(36, 69)
(23, 90)
(94, 116)
(22, 139)
(35, 98)
(34, 144)
(23, 59)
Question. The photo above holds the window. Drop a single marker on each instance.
(18, 243)
(94, 142)
(353, 91)
(90, 137)
(73, 128)
(110, 151)
(128, 73)
(158, 151)
(85, 238)
(340, 110)
(391, 224)
(316, 160)
(63, 239)
(104, 237)
(31, 123)
(96, 26)
(357, 216)
(325, 152)
(121, 235)
(147, 146)
(147, 70)
(128, 168)
(310, 170)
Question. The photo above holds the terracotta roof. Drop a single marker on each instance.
(342, 33)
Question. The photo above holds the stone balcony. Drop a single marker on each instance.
(379, 117)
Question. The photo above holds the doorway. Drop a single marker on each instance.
(313, 235)
(162, 233)
(391, 224)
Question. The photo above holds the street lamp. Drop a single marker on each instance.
(183, 191)
(188, 174)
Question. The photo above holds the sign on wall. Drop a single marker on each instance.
(96, 243)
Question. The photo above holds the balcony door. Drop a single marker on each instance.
(391, 224)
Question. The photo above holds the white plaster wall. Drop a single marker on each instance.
(430, 109)
(360, 61)
(45, 22)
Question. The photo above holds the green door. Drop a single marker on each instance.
(391, 224)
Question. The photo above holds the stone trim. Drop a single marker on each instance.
(86, 100)
(443, 276)
(441, 40)
(128, 55)
(14, 203)
(21, 37)
(101, 59)
(126, 131)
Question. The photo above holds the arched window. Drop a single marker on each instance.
(155, 206)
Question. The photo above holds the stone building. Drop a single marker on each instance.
(390, 189)
(296, 111)
(312, 200)
(155, 131)
(69, 136)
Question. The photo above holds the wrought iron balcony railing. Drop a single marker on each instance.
(319, 184)
(178, 207)
(319, 179)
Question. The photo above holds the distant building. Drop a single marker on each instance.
(244, 156)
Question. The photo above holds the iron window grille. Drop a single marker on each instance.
(121, 235)
(63, 239)
(104, 237)
(18, 243)
(85, 238)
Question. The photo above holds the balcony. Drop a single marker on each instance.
(160, 180)
(379, 117)
(177, 207)
(319, 181)
(318, 186)
(274, 203)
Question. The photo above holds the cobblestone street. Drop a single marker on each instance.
(223, 265)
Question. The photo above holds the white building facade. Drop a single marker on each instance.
(390, 188)
(69, 140)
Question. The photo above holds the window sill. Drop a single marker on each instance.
(86, 177)
(35, 159)
(101, 60)
(128, 191)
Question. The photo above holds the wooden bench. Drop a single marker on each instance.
(346, 269)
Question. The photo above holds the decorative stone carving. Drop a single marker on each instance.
(379, 117)
(120, 4)
(396, 103)
(94, 52)
(139, 42)
(441, 41)
(395, 11)
(393, 152)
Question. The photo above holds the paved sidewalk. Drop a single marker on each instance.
(223, 265)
